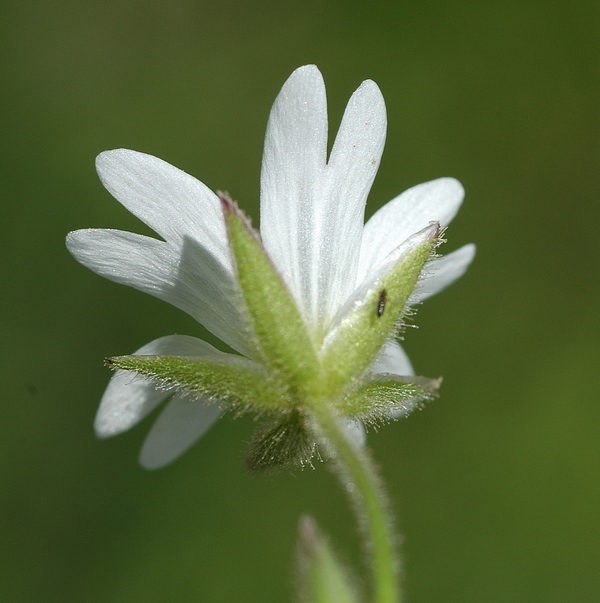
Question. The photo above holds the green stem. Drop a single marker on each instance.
(359, 478)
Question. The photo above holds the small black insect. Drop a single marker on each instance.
(381, 304)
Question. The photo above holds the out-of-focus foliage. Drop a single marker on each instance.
(496, 484)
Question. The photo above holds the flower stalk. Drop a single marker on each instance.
(359, 478)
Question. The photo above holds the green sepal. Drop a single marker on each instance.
(281, 334)
(282, 442)
(321, 577)
(376, 313)
(238, 383)
(385, 396)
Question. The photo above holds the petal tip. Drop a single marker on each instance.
(309, 70)
(149, 463)
(74, 240)
(371, 88)
(307, 77)
(103, 427)
(70, 238)
(103, 158)
(453, 187)
(113, 159)
(470, 251)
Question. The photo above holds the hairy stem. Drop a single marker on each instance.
(360, 480)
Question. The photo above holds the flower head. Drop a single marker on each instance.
(312, 306)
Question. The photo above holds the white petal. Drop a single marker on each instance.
(312, 212)
(187, 277)
(435, 201)
(350, 172)
(180, 424)
(173, 203)
(294, 159)
(126, 401)
(393, 359)
(444, 271)
(129, 398)
(356, 432)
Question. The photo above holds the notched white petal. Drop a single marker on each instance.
(170, 201)
(443, 271)
(187, 277)
(312, 212)
(181, 423)
(435, 201)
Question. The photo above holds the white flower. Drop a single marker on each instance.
(312, 227)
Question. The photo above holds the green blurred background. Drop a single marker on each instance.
(495, 485)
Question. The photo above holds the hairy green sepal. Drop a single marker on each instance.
(362, 331)
(280, 331)
(239, 383)
(321, 579)
(382, 397)
(283, 441)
